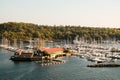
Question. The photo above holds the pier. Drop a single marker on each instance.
(56, 61)
(104, 65)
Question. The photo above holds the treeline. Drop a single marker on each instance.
(25, 31)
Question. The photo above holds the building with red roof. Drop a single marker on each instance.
(52, 52)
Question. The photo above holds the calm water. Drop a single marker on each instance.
(74, 69)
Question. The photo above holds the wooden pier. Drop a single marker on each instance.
(52, 62)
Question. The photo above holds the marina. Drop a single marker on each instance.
(74, 67)
(79, 60)
(97, 53)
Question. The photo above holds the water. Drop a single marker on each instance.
(74, 69)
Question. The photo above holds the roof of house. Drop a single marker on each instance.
(51, 50)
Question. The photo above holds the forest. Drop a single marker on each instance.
(25, 31)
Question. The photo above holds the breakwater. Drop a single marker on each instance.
(104, 65)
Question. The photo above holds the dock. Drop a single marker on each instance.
(104, 65)
(52, 62)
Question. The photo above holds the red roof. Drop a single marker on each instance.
(51, 50)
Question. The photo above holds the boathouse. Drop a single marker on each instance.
(52, 52)
(24, 53)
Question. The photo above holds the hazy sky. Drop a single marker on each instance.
(95, 13)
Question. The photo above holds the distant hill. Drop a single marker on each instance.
(24, 31)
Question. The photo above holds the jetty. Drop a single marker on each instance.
(104, 65)
(55, 61)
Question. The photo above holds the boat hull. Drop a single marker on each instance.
(25, 58)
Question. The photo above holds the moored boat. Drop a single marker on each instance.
(20, 55)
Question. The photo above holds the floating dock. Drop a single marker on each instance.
(104, 65)
(53, 62)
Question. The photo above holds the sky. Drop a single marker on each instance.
(91, 13)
